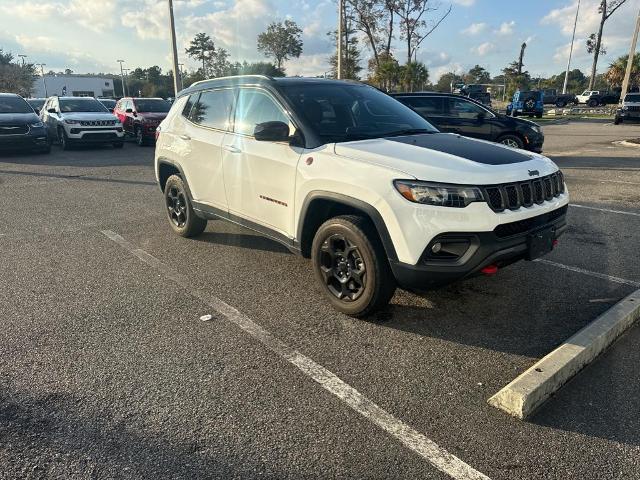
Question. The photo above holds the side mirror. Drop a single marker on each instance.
(129, 110)
(271, 132)
(52, 110)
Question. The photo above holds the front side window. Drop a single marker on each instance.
(255, 107)
(460, 108)
(81, 105)
(342, 113)
(212, 109)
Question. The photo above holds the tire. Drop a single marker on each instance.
(365, 256)
(617, 121)
(63, 139)
(512, 141)
(118, 145)
(561, 104)
(538, 115)
(139, 137)
(182, 218)
(592, 103)
(514, 113)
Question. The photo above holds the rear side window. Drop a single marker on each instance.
(254, 107)
(186, 111)
(212, 109)
(462, 109)
(428, 106)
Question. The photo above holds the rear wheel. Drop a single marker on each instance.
(592, 103)
(351, 265)
(617, 121)
(512, 141)
(182, 218)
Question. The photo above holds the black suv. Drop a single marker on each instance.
(462, 115)
(20, 127)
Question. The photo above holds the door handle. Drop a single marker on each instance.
(185, 137)
(232, 149)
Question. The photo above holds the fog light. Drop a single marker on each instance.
(436, 247)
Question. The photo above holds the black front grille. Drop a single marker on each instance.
(14, 129)
(528, 224)
(512, 196)
(633, 108)
(97, 123)
(99, 136)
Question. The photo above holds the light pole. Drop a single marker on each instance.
(124, 90)
(22, 57)
(339, 62)
(44, 81)
(180, 65)
(632, 54)
(177, 79)
(573, 37)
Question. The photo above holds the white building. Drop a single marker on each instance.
(76, 85)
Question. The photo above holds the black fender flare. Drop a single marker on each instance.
(164, 161)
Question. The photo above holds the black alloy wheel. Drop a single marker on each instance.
(182, 217)
(177, 206)
(343, 268)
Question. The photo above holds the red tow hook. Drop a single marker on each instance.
(490, 269)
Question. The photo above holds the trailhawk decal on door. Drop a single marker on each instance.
(268, 199)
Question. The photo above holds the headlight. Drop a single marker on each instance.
(36, 125)
(458, 196)
(72, 122)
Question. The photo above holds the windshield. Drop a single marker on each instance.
(14, 105)
(152, 105)
(36, 103)
(108, 103)
(343, 112)
(632, 97)
(81, 105)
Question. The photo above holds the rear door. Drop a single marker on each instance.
(260, 176)
(469, 119)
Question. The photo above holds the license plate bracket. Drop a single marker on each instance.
(540, 243)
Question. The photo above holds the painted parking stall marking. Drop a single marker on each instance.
(419, 443)
(607, 210)
(603, 276)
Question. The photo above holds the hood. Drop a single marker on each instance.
(448, 158)
(18, 118)
(152, 116)
(523, 122)
(88, 116)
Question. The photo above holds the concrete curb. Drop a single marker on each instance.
(531, 389)
(626, 143)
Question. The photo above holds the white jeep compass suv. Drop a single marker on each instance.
(81, 120)
(346, 175)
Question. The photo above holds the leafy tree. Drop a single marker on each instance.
(351, 55)
(385, 74)
(477, 74)
(515, 78)
(259, 68)
(281, 41)
(201, 48)
(617, 70)
(594, 43)
(446, 80)
(414, 76)
(577, 81)
(15, 78)
(219, 64)
(5, 57)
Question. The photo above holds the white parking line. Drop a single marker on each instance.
(603, 276)
(427, 449)
(608, 210)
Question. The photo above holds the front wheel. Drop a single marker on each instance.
(511, 141)
(182, 218)
(140, 137)
(592, 103)
(351, 265)
(561, 103)
(617, 121)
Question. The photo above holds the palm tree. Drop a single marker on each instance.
(615, 74)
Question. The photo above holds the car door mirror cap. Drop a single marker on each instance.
(52, 110)
(128, 110)
(275, 131)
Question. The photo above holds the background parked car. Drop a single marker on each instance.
(20, 127)
(630, 111)
(36, 104)
(457, 114)
(109, 103)
(551, 96)
(141, 116)
(594, 98)
(76, 120)
(526, 103)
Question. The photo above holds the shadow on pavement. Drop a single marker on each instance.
(84, 156)
(242, 240)
(602, 400)
(77, 177)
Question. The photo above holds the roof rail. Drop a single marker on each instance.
(266, 77)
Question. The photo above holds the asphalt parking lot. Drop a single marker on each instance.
(107, 371)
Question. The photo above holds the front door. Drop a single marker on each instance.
(260, 176)
(469, 119)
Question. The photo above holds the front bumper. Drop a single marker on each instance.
(507, 244)
(89, 135)
(35, 140)
(628, 116)
(533, 141)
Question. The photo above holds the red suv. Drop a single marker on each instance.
(141, 116)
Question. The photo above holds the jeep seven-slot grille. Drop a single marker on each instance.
(512, 196)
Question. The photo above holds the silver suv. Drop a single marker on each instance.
(630, 111)
(81, 120)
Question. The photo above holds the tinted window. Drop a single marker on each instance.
(462, 109)
(108, 103)
(152, 105)
(187, 106)
(14, 105)
(81, 105)
(212, 109)
(632, 97)
(433, 106)
(339, 112)
(254, 107)
(36, 103)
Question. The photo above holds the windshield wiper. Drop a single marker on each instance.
(407, 131)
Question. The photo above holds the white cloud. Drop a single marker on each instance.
(475, 28)
(506, 28)
(465, 3)
(483, 49)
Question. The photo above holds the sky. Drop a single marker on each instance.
(90, 35)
